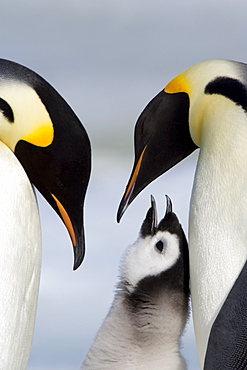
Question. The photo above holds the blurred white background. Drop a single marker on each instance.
(108, 59)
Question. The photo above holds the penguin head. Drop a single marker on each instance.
(175, 121)
(50, 142)
(160, 249)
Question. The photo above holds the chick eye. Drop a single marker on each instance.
(6, 110)
(159, 246)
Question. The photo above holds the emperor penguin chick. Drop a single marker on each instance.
(143, 328)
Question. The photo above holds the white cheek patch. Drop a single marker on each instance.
(143, 259)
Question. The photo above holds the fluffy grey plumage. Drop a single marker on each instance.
(143, 327)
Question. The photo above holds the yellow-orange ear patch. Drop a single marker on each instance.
(32, 121)
(42, 136)
(178, 84)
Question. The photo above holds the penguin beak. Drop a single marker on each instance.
(76, 234)
(162, 139)
(170, 221)
(168, 205)
(149, 225)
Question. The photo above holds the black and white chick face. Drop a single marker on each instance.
(160, 252)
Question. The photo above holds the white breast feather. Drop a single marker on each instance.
(20, 259)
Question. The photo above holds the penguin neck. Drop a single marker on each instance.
(218, 218)
(137, 338)
(20, 259)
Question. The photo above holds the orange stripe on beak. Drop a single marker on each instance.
(135, 174)
(66, 220)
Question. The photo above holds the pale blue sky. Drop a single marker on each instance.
(108, 59)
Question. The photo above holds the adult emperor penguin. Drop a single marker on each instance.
(43, 143)
(206, 107)
(143, 328)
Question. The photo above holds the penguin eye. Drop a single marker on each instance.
(159, 246)
(6, 110)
